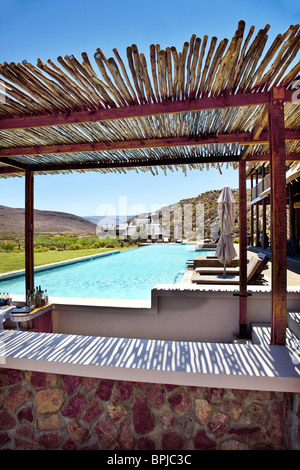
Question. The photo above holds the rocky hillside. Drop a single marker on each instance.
(190, 208)
(13, 220)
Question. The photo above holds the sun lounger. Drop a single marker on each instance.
(212, 262)
(229, 270)
(254, 270)
(216, 271)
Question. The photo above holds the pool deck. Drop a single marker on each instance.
(293, 269)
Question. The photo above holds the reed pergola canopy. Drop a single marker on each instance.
(202, 106)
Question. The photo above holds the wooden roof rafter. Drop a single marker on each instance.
(208, 95)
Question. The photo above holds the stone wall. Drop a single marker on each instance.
(49, 411)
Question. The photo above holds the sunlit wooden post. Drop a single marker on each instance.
(29, 227)
(278, 215)
(243, 247)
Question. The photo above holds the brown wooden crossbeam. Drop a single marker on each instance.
(126, 112)
(243, 138)
(134, 163)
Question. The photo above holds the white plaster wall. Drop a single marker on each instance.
(175, 314)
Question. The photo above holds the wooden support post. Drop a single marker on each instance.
(257, 224)
(291, 214)
(243, 248)
(251, 216)
(264, 224)
(252, 226)
(29, 224)
(278, 215)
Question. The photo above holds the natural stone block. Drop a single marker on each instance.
(155, 394)
(26, 413)
(123, 391)
(89, 383)
(170, 387)
(47, 423)
(218, 423)
(125, 440)
(261, 395)
(75, 406)
(4, 439)
(21, 444)
(257, 414)
(16, 397)
(203, 442)
(144, 443)
(77, 433)
(39, 380)
(215, 395)
(172, 441)
(6, 421)
(25, 431)
(49, 400)
(94, 446)
(70, 383)
(10, 377)
(106, 433)
(179, 402)
(93, 412)
(117, 412)
(50, 440)
(241, 394)
(105, 388)
(233, 408)
(166, 420)
(247, 434)
(69, 445)
(143, 419)
(202, 410)
(233, 445)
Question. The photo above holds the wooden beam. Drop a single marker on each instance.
(134, 163)
(13, 163)
(184, 141)
(278, 216)
(126, 112)
(291, 157)
(7, 170)
(243, 248)
(29, 228)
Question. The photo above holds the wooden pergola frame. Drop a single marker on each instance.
(124, 106)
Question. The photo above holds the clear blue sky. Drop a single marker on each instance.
(32, 29)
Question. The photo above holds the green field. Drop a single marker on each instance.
(53, 249)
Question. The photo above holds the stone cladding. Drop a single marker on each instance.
(42, 411)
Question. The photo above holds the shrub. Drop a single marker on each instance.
(75, 246)
(40, 249)
(95, 245)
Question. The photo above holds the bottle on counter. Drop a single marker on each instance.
(46, 298)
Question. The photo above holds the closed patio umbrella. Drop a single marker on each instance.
(225, 250)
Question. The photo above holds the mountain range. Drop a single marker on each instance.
(12, 219)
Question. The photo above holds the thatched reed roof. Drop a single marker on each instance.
(203, 105)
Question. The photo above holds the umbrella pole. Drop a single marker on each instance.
(224, 272)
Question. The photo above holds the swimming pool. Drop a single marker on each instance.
(126, 275)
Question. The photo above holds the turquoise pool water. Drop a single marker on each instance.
(127, 275)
